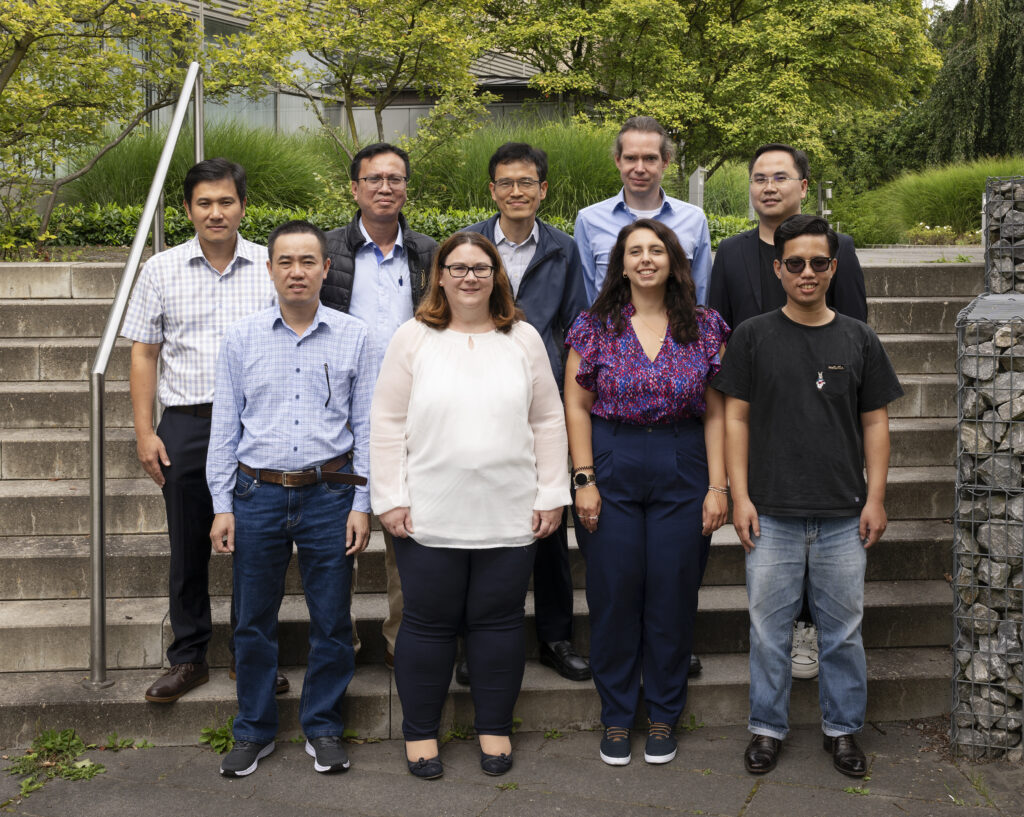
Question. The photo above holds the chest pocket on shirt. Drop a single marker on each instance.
(834, 381)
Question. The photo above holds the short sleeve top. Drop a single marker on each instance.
(630, 387)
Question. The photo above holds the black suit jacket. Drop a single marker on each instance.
(735, 289)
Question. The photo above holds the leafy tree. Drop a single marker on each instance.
(371, 53)
(723, 75)
(75, 73)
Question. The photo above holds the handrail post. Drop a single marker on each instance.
(159, 237)
(199, 120)
(97, 484)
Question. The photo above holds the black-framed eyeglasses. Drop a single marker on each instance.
(760, 180)
(479, 271)
(526, 185)
(795, 264)
(377, 182)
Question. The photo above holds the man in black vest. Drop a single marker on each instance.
(378, 273)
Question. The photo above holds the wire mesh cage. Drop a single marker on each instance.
(988, 542)
(1003, 234)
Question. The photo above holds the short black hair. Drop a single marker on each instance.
(804, 224)
(297, 226)
(376, 149)
(519, 152)
(213, 170)
(646, 124)
(803, 167)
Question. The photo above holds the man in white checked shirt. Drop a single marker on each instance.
(291, 423)
(184, 300)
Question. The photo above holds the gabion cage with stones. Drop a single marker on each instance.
(1003, 234)
(988, 543)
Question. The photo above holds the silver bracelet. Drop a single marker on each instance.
(718, 490)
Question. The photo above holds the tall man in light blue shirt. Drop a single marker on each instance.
(643, 151)
(290, 425)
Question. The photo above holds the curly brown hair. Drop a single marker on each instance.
(434, 310)
(680, 293)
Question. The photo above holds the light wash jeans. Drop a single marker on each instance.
(832, 554)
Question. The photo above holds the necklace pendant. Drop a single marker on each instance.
(820, 382)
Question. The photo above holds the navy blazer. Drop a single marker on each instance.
(735, 289)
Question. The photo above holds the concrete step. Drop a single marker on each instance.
(54, 634)
(922, 441)
(57, 567)
(928, 280)
(58, 359)
(922, 492)
(63, 453)
(61, 404)
(926, 395)
(920, 353)
(60, 280)
(921, 314)
(53, 318)
(902, 683)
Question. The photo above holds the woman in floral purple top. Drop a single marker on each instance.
(646, 436)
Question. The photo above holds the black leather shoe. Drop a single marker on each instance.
(178, 680)
(563, 659)
(426, 769)
(495, 764)
(847, 756)
(281, 684)
(695, 666)
(762, 754)
(462, 673)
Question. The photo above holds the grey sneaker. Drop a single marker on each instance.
(805, 651)
(244, 758)
(328, 753)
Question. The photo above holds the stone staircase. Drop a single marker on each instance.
(50, 317)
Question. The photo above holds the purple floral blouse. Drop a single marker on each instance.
(633, 389)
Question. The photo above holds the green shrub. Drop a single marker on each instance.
(282, 169)
(114, 226)
(948, 196)
(727, 192)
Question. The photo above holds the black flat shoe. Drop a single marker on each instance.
(495, 764)
(762, 754)
(462, 673)
(847, 756)
(426, 769)
(562, 657)
(695, 666)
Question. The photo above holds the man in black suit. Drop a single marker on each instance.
(743, 281)
(744, 284)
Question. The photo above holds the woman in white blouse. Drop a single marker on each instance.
(468, 468)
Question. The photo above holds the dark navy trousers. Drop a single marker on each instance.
(645, 563)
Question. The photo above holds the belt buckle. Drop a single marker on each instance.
(288, 476)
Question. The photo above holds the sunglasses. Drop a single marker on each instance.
(796, 265)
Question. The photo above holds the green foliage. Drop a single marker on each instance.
(948, 196)
(553, 734)
(53, 754)
(116, 744)
(580, 169)
(459, 731)
(282, 170)
(693, 724)
(727, 191)
(507, 786)
(856, 790)
(219, 738)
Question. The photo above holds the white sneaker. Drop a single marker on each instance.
(805, 650)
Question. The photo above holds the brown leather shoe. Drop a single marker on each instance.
(178, 680)
(281, 684)
(762, 753)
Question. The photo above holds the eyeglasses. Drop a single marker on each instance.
(796, 265)
(526, 185)
(376, 182)
(480, 271)
(760, 180)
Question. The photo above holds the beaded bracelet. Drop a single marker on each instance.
(718, 490)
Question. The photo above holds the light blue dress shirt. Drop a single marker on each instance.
(286, 402)
(597, 228)
(381, 293)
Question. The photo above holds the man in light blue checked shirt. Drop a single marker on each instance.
(288, 461)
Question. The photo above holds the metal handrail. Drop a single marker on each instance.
(152, 216)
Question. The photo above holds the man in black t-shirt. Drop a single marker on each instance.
(806, 394)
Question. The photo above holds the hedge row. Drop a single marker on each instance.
(113, 225)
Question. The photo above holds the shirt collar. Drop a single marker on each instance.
(620, 201)
(275, 318)
(399, 247)
(244, 252)
(499, 236)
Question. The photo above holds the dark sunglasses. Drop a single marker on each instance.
(796, 265)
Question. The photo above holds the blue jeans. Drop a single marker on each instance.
(268, 518)
(831, 553)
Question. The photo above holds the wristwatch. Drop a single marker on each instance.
(584, 478)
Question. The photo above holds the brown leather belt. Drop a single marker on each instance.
(328, 472)
(199, 410)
